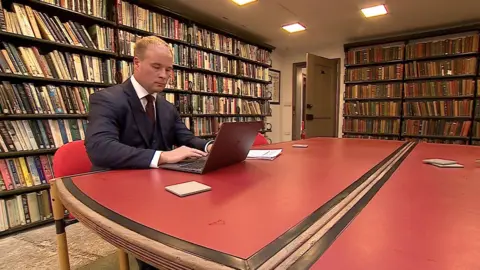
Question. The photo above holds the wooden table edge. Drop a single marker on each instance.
(142, 247)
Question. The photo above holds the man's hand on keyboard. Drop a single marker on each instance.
(180, 154)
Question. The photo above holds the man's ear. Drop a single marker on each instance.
(136, 62)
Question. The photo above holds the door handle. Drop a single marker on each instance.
(312, 117)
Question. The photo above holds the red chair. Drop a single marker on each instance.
(260, 140)
(70, 159)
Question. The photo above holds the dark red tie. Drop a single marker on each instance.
(149, 108)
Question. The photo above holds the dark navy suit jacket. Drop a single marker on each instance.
(120, 135)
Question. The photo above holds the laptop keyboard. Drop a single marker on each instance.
(195, 165)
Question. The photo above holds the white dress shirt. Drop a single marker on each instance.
(142, 93)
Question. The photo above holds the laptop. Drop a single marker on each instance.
(231, 146)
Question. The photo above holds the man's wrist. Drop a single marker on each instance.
(208, 144)
(163, 158)
(156, 159)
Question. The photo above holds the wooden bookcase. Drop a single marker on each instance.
(53, 57)
(421, 87)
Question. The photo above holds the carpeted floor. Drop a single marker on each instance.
(36, 249)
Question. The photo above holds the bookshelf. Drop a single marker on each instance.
(420, 87)
(54, 54)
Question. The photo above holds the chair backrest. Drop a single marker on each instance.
(71, 158)
(260, 140)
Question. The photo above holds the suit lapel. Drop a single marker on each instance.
(138, 112)
(161, 114)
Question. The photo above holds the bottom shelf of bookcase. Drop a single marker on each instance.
(22, 228)
(33, 225)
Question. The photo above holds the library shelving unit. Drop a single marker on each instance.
(373, 88)
(54, 54)
(421, 87)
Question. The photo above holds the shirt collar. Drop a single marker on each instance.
(141, 92)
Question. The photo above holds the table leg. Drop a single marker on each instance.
(123, 260)
(58, 216)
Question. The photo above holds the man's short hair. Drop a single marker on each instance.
(141, 45)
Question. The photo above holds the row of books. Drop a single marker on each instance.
(449, 67)
(214, 62)
(379, 126)
(196, 104)
(28, 98)
(435, 140)
(436, 127)
(387, 72)
(143, 19)
(416, 139)
(438, 108)
(27, 135)
(217, 42)
(208, 83)
(370, 91)
(376, 137)
(416, 69)
(29, 22)
(451, 46)
(374, 55)
(27, 171)
(388, 108)
(226, 105)
(211, 125)
(211, 40)
(55, 64)
(96, 8)
(410, 127)
(446, 88)
(25, 209)
(441, 46)
(435, 89)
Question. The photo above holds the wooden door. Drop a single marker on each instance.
(321, 97)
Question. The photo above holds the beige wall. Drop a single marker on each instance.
(275, 120)
(282, 114)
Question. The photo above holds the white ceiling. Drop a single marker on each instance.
(328, 22)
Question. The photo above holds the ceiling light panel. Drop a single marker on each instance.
(243, 2)
(295, 27)
(374, 11)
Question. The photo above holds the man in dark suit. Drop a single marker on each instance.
(131, 127)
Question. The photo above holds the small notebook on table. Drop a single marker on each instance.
(264, 154)
(187, 188)
(443, 163)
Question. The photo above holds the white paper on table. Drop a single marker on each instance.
(264, 154)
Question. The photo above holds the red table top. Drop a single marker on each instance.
(424, 217)
(250, 204)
